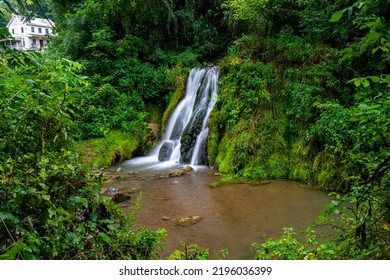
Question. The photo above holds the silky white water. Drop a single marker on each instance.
(190, 119)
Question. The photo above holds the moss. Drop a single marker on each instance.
(178, 77)
(226, 180)
(103, 152)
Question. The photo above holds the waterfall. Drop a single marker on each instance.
(185, 137)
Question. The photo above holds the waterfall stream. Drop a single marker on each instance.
(185, 137)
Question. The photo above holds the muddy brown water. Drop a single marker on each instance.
(232, 216)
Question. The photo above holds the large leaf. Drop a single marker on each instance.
(336, 16)
(11, 253)
(8, 216)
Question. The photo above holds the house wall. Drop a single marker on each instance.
(33, 35)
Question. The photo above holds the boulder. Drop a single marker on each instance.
(119, 169)
(166, 150)
(176, 172)
(188, 168)
(111, 191)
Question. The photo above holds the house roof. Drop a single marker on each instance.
(31, 22)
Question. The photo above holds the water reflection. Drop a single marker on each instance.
(233, 216)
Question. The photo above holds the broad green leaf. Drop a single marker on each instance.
(72, 238)
(52, 212)
(374, 35)
(78, 201)
(9, 216)
(94, 216)
(11, 253)
(375, 79)
(336, 16)
(105, 237)
(364, 106)
(357, 82)
(366, 83)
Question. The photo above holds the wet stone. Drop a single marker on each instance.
(188, 221)
(120, 197)
(111, 191)
(188, 168)
(176, 173)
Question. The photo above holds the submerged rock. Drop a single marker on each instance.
(188, 221)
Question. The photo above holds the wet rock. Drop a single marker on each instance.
(120, 197)
(165, 218)
(188, 168)
(117, 195)
(119, 169)
(111, 191)
(166, 150)
(188, 221)
(176, 173)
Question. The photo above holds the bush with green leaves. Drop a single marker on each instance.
(51, 207)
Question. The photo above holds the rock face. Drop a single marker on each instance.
(189, 137)
(166, 150)
(188, 221)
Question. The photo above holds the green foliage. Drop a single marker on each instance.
(190, 252)
(35, 105)
(51, 211)
(260, 127)
(51, 207)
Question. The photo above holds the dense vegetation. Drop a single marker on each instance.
(304, 95)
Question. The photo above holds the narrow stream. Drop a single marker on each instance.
(232, 216)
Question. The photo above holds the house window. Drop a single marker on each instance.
(32, 29)
(39, 30)
(22, 30)
(34, 42)
(13, 31)
(47, 30)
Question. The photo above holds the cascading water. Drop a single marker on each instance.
(185, 138)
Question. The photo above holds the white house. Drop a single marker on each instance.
(28, 34)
